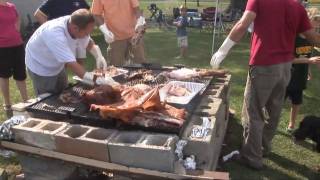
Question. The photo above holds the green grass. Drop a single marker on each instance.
(287, 160)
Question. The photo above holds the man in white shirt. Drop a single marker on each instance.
(54, 45)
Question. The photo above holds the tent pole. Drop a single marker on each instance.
(214, 26)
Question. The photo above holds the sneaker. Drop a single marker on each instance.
(178, 57)
(8, 110)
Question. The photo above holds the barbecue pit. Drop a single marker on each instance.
(136, 144)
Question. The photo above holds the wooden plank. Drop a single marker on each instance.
(202, 175)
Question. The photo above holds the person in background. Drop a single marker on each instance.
(11, 54)
(46, 56)
(51, 9)
(300, 69)
(276, 24)
(120, 21)
(182, 23)
(160, 18)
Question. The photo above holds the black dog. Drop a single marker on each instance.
(309, 128)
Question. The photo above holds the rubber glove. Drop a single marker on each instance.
(89, 78)
(108, 35)
(100, 61)
(141, 22)
(222, 52)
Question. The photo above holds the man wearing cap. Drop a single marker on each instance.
(276, 24)
(119, 21)
(53, 46)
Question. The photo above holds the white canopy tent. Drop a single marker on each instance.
(216, 25)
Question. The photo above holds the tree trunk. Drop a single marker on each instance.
(198, 3)
(237, 5)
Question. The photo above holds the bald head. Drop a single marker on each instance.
(81, 18)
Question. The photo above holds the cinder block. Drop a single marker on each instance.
(225, 82)
(141, 150)
(97, 139)
(215, 90)
(85, 141)
(207, 155)
(38, 132)
(160, 152)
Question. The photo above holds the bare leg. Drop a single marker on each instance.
(293, 115)
(23, 90)
(183, 51)
(4, 84)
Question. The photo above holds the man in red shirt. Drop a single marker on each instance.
(276, 24)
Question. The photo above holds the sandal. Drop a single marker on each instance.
(8, 110)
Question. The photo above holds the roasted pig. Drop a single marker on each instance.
(104, 94)
(140, 101)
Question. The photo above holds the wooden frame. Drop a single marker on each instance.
(201, 175)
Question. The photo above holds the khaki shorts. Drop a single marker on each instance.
(121, 52)
(48, 84)
(183, 41)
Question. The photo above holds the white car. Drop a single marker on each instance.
(194, 19)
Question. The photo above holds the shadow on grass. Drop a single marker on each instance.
(298, 168)
(233, 137)
(308, 145)
(233, 140)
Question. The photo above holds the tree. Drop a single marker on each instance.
(236, 5)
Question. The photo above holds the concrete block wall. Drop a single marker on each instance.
(214, 105)
(144, 150)
(85, 141)
(220, 88)
(215, 112)
(38, 132)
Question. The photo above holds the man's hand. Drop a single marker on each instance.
(222, 52)
(314, 60)
(91, 79)
(216, 59)
(108, 35)
(100, 61)
(106, 80)
(141, 22)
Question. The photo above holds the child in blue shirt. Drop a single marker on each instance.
(181, 23)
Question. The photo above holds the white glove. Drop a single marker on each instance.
(106, 80)
(108, 35)
(88, 78)
(100, 61)
(221, 53)
(140, 23)
(250, 28)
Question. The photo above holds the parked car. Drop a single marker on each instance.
(194, 19)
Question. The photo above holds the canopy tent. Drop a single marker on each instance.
(215, 23)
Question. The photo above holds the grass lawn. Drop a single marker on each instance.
(287, 160)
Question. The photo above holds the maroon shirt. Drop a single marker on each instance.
(275, 27)
(9, 36)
